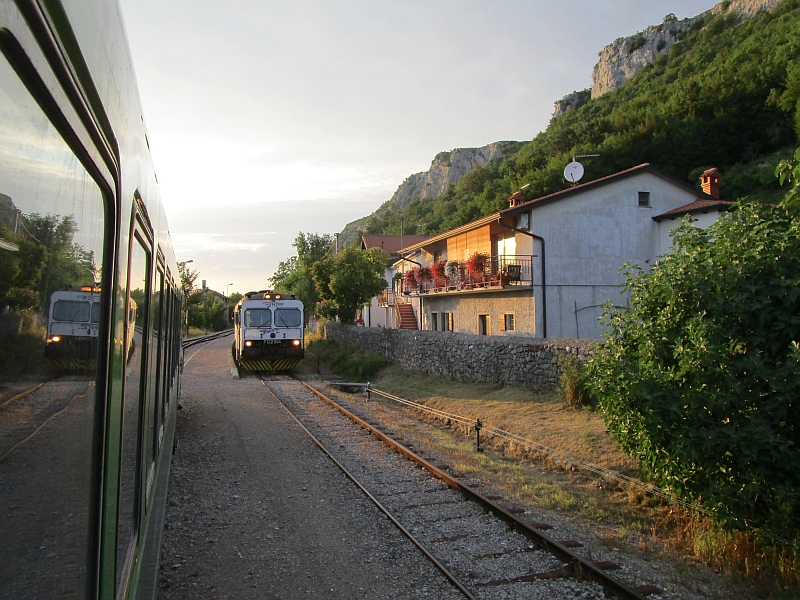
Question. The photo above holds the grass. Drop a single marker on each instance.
(617, 513)
(351, 365)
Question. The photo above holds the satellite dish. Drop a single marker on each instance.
(573, 171)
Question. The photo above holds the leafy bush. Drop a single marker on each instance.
(700, 378)
(352, 365)
(572, 383)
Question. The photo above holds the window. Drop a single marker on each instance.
(644, 199)
(483, 324)
(71, 310)
(434, 321)
(52, 216)
(95, 312)
(507, 322)
(447, 321)
(287, 317)
(258, 317)
(132, 407)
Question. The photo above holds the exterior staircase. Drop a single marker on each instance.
(405, 316)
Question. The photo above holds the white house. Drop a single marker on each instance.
(552, 262)
(382, 311)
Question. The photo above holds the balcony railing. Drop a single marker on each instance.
(499, 272)
(386, 298)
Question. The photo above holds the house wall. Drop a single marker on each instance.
(467, 306)
(461, 247)
(667, 226)
(522, 361)
(588, 237)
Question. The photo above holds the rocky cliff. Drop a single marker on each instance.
(446, 169)
(624, 57)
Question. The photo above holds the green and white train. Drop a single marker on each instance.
(83, 480)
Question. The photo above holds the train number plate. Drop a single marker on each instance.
(272, 341)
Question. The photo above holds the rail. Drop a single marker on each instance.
(200, 339)
(528, 445)
(581, 566)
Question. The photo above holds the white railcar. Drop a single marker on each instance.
(269, 331)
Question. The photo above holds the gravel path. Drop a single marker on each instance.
(256, 510)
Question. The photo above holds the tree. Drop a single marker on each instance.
(789, 172)
(348, 281)
(188, 277)
(294, 275)
(700, 378)
(205, 312)
(47, 260)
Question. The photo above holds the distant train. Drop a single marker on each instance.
(268, 331)
(72, 328)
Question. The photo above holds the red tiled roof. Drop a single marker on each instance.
(390, 243)
(643, 168)
(699, 205)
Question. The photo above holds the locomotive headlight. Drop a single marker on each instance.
(248, 343)
(296, 342)
(55, 338)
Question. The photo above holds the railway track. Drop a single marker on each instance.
(485, 549)
(201, 339)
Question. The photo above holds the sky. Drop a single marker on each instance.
(266, 118)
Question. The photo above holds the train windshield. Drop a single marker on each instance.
(287, 317)
(72, 310)
(258, 317)
(95, 312)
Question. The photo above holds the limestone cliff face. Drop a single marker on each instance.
(623, 58)
(446, 169)
(571, 102)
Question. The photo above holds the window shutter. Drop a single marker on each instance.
(502, 322)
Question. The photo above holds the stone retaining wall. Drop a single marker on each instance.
(526, 362)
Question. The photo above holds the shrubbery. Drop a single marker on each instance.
(700, 378)
(351, 365)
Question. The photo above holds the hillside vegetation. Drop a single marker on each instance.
(727, 95)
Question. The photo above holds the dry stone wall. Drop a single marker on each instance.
(529, 362)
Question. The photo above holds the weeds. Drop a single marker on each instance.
(572, 385)
(352, 365)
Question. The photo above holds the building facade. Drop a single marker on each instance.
(546, 267)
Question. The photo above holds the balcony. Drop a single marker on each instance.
(498, 273)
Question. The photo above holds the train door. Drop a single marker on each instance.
(132, 471)
(56, 232)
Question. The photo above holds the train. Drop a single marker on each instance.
(268, 332)
(72, 328)
(88, 280)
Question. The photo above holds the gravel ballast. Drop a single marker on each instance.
(257, 510)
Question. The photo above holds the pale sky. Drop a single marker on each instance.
(268, 118)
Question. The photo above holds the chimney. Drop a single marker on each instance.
(516, 199)
(710, 182)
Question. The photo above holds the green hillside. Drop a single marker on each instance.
(727, 95)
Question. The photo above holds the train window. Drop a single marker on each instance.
(52, 231)
(287, 317)
(130, 475)
(156, 381)
(95, 312)
(258, 317)
(71, 310)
